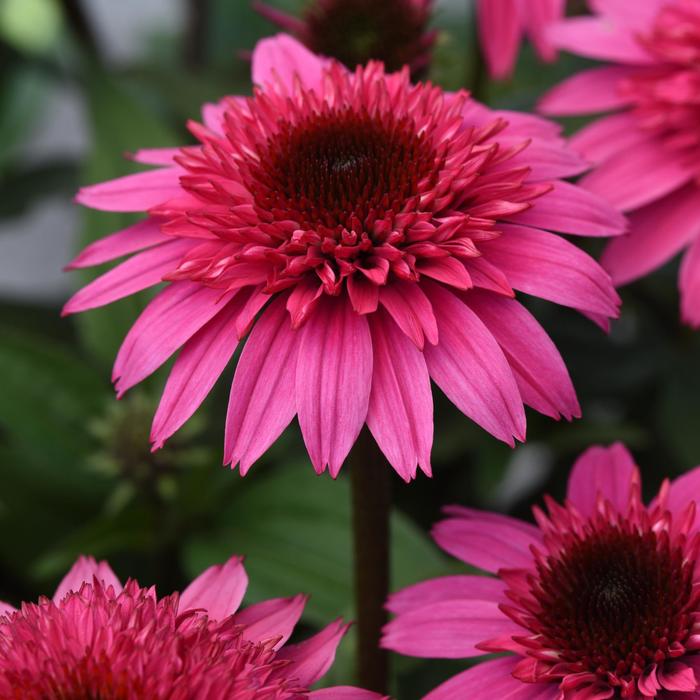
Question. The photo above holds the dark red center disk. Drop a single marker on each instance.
(615, 601)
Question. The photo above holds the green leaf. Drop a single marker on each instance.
(47, 398)
(295, 530)
(120, 124)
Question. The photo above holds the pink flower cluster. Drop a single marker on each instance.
(99, 639)
(600, 599)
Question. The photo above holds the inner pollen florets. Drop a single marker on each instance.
(356, 31)
(342, 169)
(615, 601)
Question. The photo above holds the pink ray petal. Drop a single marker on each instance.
(608, 471)
(333, 381)
(168, 322)
(639, 176)
(500, 31)
(447, 630)
(144, 234)
(689, 283)
(156, 156)
(488, 541)
(312, 658)
(283, 58)
(400, 413)
(200, 363)
(139, 272)
(411, 310)
(599, 39)
(446, 588)
(570, 209)
(548, 266)
(490, 680)
(272, 619)
(539, 370)
(83, 571)
(262, 401)
(657, 233)
(470, 368)
(219, 590)
(607, 137)
(137, 192)
(588, 92)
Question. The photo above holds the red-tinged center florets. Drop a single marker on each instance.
(666, 98)
(357, 31)
(343, 170)
(612, 604)
(361, 181)
(616, 600)
(96, 644)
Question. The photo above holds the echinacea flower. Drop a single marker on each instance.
(648, 150)
(600, 599)
(503, 24)
(370, 232)
(355, 32)
(99, 639)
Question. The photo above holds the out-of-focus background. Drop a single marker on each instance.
(81, 84)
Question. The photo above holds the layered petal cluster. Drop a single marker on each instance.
(99, 639)
(648, 150)
(355, 32)
(371, 233)
(504, 23)
(600, 599)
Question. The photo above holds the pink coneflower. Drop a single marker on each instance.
(355, 32)
(648, 151)
(600, 599)
(97, 639)
(504, 23)
(370, 232)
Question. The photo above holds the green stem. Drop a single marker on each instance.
(370, 477)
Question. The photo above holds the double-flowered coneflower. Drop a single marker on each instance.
(99, 640)
(366, 235)
(648, 151)
(600, 599)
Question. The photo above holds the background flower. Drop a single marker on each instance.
(354, 32)
(647, 152)
(97, 638)
(504, 23)
(600, 599)
(386, 225)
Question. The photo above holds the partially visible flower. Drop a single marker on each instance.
(504, 23)
(355, 32)
(371, 233)
(97, 639)
(648, 150)
(600, 599)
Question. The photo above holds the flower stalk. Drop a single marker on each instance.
(371, 508)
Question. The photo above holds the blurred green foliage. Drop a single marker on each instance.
(76, 474)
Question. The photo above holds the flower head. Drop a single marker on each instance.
(647, 152)
(99, 639)
(370, 232)
(355, 32)
(601, 599)
(503, 23)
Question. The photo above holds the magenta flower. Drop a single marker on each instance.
(370, 232)
(648, 151)
(504, 23)
(355, 32)
(97, 639)
(600, 599)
